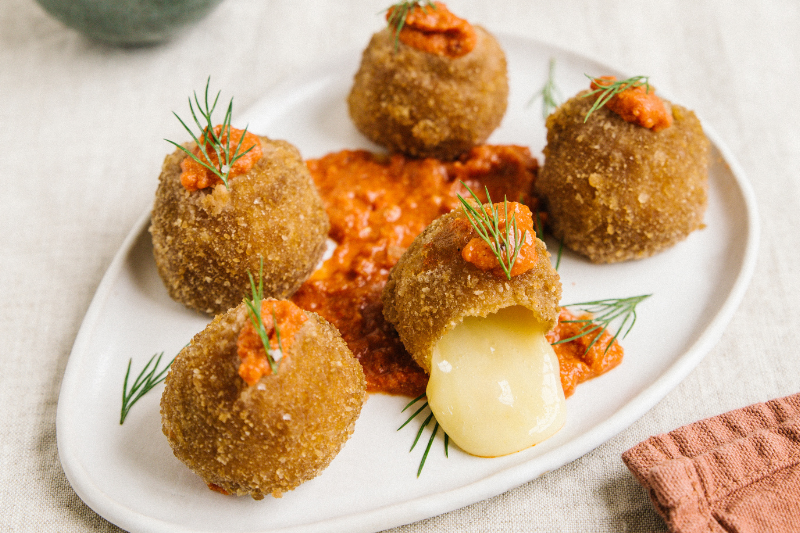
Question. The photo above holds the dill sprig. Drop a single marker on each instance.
(398, 13)
(487, 225)
(550, 93)
(225, 159)
(254, 312)
(425, 423)
(144, 382)
(560, 252)
(604, 312)
(607, 92)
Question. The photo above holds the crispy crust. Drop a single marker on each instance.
(273, 436)
(432, 288)
(206, 241)
(425, 105)
(616, 191)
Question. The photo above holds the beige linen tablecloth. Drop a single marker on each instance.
(81, 144)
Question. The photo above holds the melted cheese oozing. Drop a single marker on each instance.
(495, 386)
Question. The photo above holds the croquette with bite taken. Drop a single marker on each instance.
(474, 314)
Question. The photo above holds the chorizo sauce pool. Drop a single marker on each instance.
(377, 205)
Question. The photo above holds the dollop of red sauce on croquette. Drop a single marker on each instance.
(281, 319)
(637, 105)
(435, 30)
(485, 256)
(195, 176)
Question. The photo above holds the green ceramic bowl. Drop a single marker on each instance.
(129, 22)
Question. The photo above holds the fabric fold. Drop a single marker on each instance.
(738, 472)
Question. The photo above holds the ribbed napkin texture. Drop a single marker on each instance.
(738, 472)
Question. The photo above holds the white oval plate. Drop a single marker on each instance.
(128, 474)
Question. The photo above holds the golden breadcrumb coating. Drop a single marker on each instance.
(432, 288)
(617, 191)
(426, 105)
(206, 241)
(270, 437)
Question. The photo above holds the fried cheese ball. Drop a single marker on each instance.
(494, 381)
(206, 241)
(271, 436)
(427, 105)
(432, 288)
(616, 191)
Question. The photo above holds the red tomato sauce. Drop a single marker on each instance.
(195, 176)
(482, 255)
(436, 30)
(281, 321)
(578, 363)
(377, 205)
(637, 105)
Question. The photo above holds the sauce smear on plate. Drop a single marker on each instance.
(377, 205)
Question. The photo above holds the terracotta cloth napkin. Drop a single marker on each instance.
(738, 472)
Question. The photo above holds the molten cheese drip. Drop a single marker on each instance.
(495, 386)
